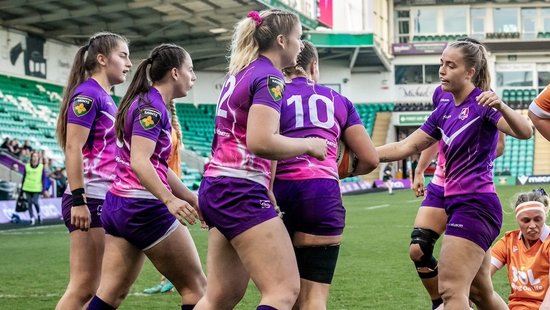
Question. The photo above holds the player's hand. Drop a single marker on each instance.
(317, 147)
(418, 185)
(271, 196)
(490, 99)
(182, 210)
(81, 217)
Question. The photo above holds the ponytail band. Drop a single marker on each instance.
(255, 16)
(149, 60)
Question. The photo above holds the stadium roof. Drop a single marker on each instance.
(203, 27)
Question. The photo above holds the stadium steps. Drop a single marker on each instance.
(378, 137)
(542, 155)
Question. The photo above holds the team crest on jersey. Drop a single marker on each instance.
(464, 113)
(276, 87)
(149, 118)
(82, 105)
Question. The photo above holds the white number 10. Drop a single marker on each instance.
(313, 113)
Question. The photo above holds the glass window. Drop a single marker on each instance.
(544, 78)
(431, 74)
(478, 23)
(404, 14)
(425, 20)
(408, 74)
(454, 21)
(515, 79)
(505, 20)
(528, 18)
(546, 19)
(403, 26)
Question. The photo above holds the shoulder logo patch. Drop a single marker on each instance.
(82, 105)
(276, 87)
(149, 118)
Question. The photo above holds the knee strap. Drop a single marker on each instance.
(425, 238)
(317, 263)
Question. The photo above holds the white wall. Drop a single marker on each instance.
(59, 57)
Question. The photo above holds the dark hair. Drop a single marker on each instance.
(305, 58)
(162, 59)
(534, 195)
(475, 56)
(84, 64)
(251, 38)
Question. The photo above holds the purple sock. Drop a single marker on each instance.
(436, 302)
(265, 307)
(187, 307)
(97, 304)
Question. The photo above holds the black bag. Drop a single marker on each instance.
(21, 203)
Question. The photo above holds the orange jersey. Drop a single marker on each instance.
(541, 105)
(527, 268)
(174, 161)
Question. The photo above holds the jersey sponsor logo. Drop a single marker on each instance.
(149, 118)
(276, 87)
(82, 105)
(524, 280)
(464, 113)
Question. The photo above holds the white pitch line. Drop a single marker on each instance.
(377, 207)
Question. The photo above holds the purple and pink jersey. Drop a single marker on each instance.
(312, 110)
(440, 97)
(469, 137)
(92, 107)
(147, 117)
(258, 83)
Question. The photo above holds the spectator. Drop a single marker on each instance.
(387, 178)
(6, 143)
(34, 180)
(60, 178)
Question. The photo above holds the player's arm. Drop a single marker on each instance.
(77, 136)
(263, 139)
(424, 161)
(542, 124)
(359, 142)
(181, 191)
(511, 123)
(545, 305)
(414, 143)
(501, 143)
(140, 162)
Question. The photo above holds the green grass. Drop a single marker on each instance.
(373, 272)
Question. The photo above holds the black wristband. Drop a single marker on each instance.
(78, 199)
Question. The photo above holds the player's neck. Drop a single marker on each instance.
(165, 92)
(274, 57)
(102, 80)
(461, 95)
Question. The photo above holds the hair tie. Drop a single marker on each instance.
(149, 60)
(530, 206)
(255, 17)
(87, 46)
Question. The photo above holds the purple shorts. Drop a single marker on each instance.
(311, 206)
(142, 222)
(434, 197)
(234, 205)
(94, 205)
(475, 217)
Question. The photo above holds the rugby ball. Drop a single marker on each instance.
(346, 160)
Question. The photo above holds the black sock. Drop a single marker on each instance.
(97, 304)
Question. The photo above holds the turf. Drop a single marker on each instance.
(373, 272)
